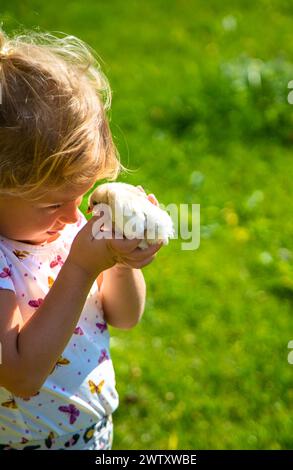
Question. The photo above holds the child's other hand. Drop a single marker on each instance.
(151, 197)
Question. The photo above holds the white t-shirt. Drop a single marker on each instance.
(80, 390)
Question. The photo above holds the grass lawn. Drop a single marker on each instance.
(200, 112)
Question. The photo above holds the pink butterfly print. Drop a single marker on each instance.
(36, 303)
(72, 410)
(102, 326)
(78, 331)
(6, 272)
(56, 261)
(103, 356)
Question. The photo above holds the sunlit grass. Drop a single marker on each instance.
(200, 111)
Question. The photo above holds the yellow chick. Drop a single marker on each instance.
(132, 214)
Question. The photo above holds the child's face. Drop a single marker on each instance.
(34, 222)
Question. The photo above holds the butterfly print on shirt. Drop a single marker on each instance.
(96, 388)
(6, 272)
(102, 326)
(21, 254)
(36, 303)
(72, 411)
(56, 261)
(78, 331)
(103, 356)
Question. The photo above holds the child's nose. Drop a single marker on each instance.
(70, 215)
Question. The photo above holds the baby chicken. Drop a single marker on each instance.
(133, 215)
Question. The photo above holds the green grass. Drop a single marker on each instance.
(200, 112)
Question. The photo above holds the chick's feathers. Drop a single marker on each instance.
(132, 214)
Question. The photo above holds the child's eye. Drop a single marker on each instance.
(53, 207)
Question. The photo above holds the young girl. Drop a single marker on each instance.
(59, 286)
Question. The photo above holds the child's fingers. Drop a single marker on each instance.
(152, 198)
(124, 246)
(140, 255)
(137, 264)
(145, 262)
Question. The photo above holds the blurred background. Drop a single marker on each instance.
(201, 111)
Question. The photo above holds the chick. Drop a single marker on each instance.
(133, 215)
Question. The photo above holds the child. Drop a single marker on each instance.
(59, 286)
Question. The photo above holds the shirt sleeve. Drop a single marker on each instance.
(5, 273)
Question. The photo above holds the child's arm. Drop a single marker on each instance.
(30, 350)
(123, 292)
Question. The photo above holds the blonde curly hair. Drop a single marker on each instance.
(54, 129)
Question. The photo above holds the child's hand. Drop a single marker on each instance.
(148, 257)
(151, 197)
(138, 258)
(96, 255)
